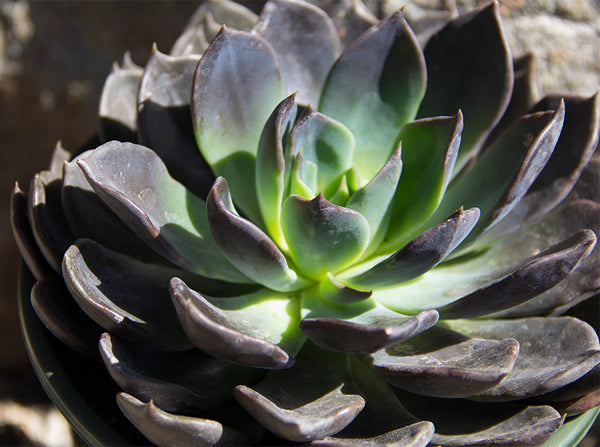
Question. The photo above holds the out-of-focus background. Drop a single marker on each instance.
(54, 56)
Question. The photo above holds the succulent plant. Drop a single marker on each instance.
(302, 227)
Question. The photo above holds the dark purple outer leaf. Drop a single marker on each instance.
(50, 228)
(576, 397)
(117, 109)
(124, 296)
(306, 43)
(471, 55)
(578, 140)
(588, 185)
(530, 427)
(347, 336)
(525, 94)
(441, 363)
(304, 402)
(554, 352)
(209, 330)
(541, 274)
(134, 182)
(420, 255)
(164, 119)
(57, 310)
(89, 217)
(578, 285)
(228, 12)
(30, 252)
(167, 429)
(184, 382)
(415, 435)
(383, 421)
(461, 422)
(245, 245)
(502, 175)
(351, 17)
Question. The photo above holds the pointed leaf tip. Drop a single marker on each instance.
(245, 245)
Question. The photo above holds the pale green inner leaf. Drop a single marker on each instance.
(264, 314)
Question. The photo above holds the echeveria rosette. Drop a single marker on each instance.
(375, 243)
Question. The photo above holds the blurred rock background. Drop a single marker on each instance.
(54, 56)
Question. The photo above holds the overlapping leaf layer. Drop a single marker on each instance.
(357, 240)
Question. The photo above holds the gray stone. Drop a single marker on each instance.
(563, 34)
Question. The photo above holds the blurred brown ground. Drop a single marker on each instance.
(54, 56)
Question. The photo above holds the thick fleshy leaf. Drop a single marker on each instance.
(351, 17)
(236, 87)
(126, 297)
(192, 40)
(471, 54)
(57, 310)
(117, 109)
(429, 149)
(133, 181)
(578, 396)
(588, 184)
(164, 119)
(259, 329)
(226, 12)
(461, 422)
(530, 427)
(420, 255)
(271, 167)
(502, 175)
(166, 429)
(304, 402)
(89, 217)
(322, 237)
(50, 228)
(306, 43)
(245, 245)
(414, 435)
(59, 156)
(383, 421)
(21, 229)
(543, 273)
(374, 88)
(483, 284)
(578, 140)
(373, 200)
(526, 92)
(371, 328)
(326, 143)
(579, 284)
(185, 382)
(443, 363)
(554, 352)
(131, 298)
